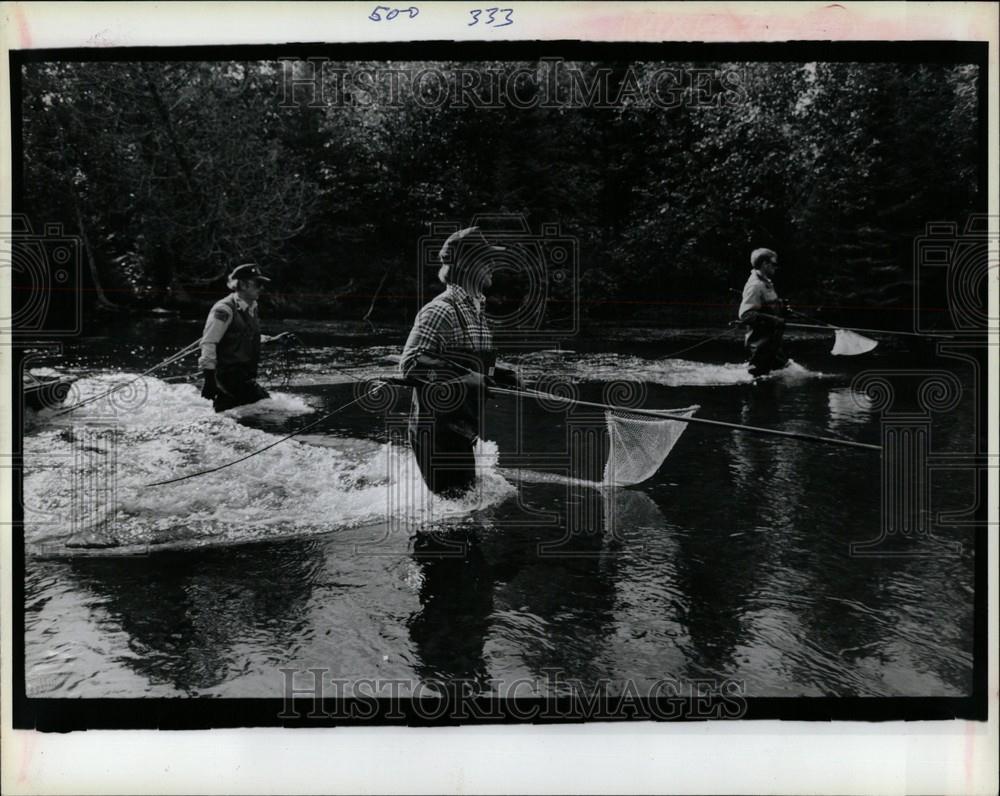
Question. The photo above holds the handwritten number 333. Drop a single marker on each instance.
(491, 19)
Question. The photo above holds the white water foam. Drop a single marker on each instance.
(793, 372)
(45, 373)
(86, 477)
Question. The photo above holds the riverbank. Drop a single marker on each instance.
(652, 318)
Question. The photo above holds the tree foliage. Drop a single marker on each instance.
(174, 172)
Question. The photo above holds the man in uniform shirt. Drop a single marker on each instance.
(449, 355)
(762, 311)
(230, 344)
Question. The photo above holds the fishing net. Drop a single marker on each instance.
(639, 444)
(277, 367)
(849, 344)
(278, 363)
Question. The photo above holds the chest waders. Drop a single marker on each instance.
(764, 341)
(238, 353)
(446, 419)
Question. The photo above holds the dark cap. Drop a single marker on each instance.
(468, 239)
(248, 271)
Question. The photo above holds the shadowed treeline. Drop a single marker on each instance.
(173, 172)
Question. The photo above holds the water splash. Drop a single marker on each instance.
(85, 477)
(45, 373)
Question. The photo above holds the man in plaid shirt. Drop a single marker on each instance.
(449, 354)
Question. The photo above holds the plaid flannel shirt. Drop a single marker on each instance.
(438, 328)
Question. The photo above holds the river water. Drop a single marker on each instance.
(732, 562)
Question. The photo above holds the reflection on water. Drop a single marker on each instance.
(497, 600)
(456, 602)
(190, 622)
(848, 407)
(182, 624)
(731, 561)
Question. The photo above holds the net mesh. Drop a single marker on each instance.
(639, 444)
(278, 365)
(848, 344)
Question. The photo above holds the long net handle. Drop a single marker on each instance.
(662, 414)
(827, 327)
(824, 326)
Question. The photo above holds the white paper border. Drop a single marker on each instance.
(750, 757)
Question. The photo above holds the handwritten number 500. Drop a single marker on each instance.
(374, 16)
(508, 18)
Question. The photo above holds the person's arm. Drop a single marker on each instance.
(424, 341)
(425, 356)
(215, 327)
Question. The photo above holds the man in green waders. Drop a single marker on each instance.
(230, 344)
(449, 355)
(762, 311)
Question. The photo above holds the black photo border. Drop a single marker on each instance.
(66, 714)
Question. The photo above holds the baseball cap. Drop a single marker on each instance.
(248, 271)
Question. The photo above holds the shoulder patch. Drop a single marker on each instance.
(220, 314)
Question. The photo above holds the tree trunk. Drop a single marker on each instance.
(168, 125)
(378, 290)
(102, 300)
